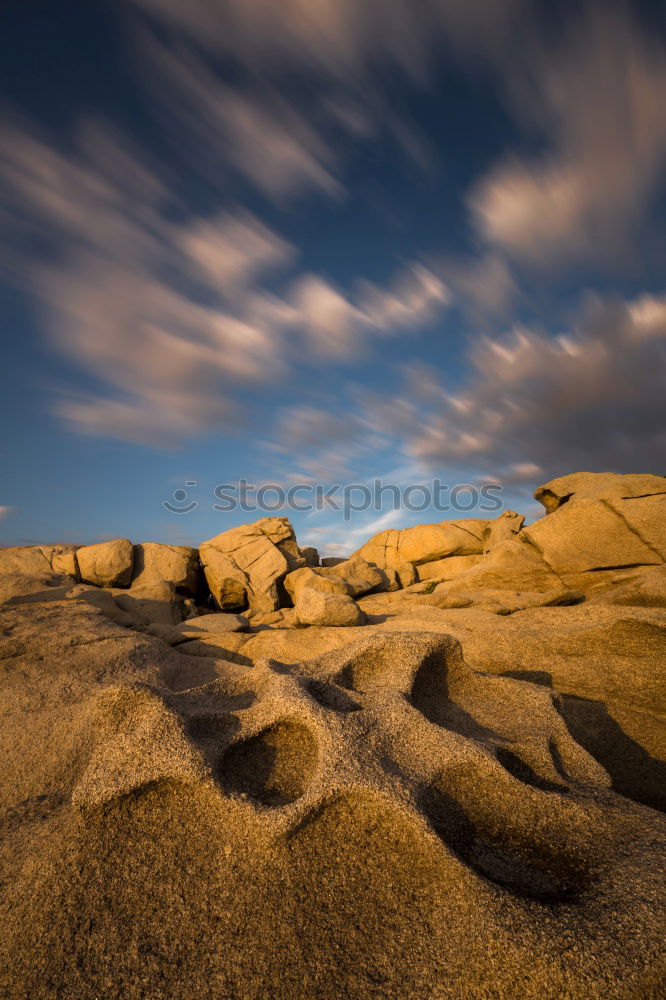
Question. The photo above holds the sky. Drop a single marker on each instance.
(324, 242)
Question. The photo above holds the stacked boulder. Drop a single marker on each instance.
(134, 585)
(601, 531)
(603, 538)
(246, 566)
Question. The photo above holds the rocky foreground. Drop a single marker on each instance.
(434, 769)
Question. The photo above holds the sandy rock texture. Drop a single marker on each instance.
(383, 819)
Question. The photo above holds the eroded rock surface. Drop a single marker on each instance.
(444, 828)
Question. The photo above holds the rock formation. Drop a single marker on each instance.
(246, 565)
(434, 769)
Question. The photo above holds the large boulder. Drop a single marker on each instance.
(108, 564)
(25, 560)
(151, 601)
(315, 608)
(512, 565)
(62, 559)
(353, 577)
(315, 579)
(179, 564)
(247, 564)
(424, 543)
(39, 559)
(592, 535)
(597, 486)
(359, 575)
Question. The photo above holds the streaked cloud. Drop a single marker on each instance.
(484, 285)
(533, 405)
(338, 326)
(250, 129)
(172, 317)
(338, 37)
(596, 100)
(594, 396)
(234, 248)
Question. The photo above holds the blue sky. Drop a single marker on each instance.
(323, 243)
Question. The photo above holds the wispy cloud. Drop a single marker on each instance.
(250, 129)
(172, 316)
(339, 38)
(533, 405)
(336, 325)
(595, 396)
(597, 100)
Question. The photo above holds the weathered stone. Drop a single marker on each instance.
(597, 486)
(316, 579)
(646, 517)
(199, 628)
(588, 535)
(28, 589)
(391, 582)
(310, 554)
(108, 564)
(352, 576)
(248, 563)
(359, 575)
(501, 602)
(502, 529)
(228, 585)
(424, 543)
(152, 601)
(512, 565)
(407, 574)
(177, 563)
(27, 560)
(212, 624)
(281, 533)
(315, 608)
(448, 569)
(647, 589)
(104, 601)
(62, 559)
